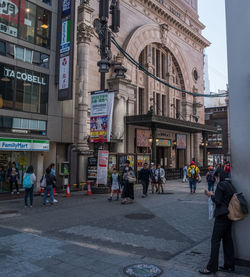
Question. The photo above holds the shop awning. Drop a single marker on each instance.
(163, 122)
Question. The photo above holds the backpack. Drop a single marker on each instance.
(237, 207)
(210, 177)
(27, 183)
(193, 172)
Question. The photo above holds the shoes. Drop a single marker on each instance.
(110, 199)
(25, 206)
(123, 202)
(18, 192)
(206, 272)
(143, 196)
(225, 268)
(12, 193)
(30, 206)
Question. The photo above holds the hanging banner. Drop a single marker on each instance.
(64, 73)
(65, 36)
(101, 116)
(102, 167)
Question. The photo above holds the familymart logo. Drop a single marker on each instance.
(15, 145)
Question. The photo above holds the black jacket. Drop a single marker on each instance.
(50, 179)
(222, 197)
(145, 174)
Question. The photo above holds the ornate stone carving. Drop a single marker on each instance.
(84, 33)
(84, 2)
(164, 33)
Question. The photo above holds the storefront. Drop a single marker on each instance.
(24, 152)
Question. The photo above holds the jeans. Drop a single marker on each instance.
(145, 185)
(222, 231)
(210, 186)
(11, 186)
(28, 193)
(50, 190)
(192, 184)
(184, 177)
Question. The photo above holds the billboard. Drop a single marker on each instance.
(65, 36)
(101, 116)
(64, 73)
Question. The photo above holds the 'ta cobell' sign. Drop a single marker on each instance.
(10, 73)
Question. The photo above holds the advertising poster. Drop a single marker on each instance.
(101, 116)
(142, 138)
(181, 141)
(102, 167)
(131, 158)
(66, 7)
(64, 73)
(65, 36)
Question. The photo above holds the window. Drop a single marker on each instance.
(158, 66)
(158, 104)
(43, 27)
(23, 54)
(178, 108)
(163, 104)
(9, 17)
(141, 101)
(25, 20)
(23, 90)
(163, 66)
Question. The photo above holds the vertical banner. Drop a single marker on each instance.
(102, 167)
(101, 115)
(65, 48)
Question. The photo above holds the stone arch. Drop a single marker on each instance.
(151, 33)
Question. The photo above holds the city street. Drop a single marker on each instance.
(89, 236)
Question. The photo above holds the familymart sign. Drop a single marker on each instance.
(23, 144)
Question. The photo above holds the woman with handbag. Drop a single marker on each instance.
(128, 189)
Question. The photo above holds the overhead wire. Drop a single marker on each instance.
(138, 65)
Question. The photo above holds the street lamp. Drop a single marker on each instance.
(104, 65)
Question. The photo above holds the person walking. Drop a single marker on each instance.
(53, 172)
(160, 176)
(128, 189)
(193, 173)
(115, 181)
(222, 230)
(2, 177)
(227, 169)
(145, 177)
(153, 181)
(29, 180)
(210, 178)
(185, 169)
(13, 176)
(50, 180)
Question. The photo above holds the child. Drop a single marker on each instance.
(115, 181)
(210, 178)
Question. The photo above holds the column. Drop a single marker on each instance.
(84, 34)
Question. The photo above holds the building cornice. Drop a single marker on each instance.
(172, 15)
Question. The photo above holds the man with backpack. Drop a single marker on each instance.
(193, 173)
(210, 178)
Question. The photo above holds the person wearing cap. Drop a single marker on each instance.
(193, 173)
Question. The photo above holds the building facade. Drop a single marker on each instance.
(149, 117)
(35, 128)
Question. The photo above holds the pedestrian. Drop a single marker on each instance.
(153, 180)
(128, 189)
(145, 177)
(2, 177)
(50, 180)
(210, 178)
(193, 173)
(222, 230)
(160, 177)
(227, 169)
(53, 172)
(13, 176)
(115, 181)
(185, 169)
(29, 180)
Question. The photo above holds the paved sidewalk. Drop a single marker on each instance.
(88, 236)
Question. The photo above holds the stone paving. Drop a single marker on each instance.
(88, 236)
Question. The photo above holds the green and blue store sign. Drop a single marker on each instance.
(13, 144)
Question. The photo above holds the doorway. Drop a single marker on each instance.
(163, 156)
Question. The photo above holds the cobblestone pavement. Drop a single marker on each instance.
(89, 236)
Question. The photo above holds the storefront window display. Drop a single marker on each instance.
(23, 89)
(25, 20)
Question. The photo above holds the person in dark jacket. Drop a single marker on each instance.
(222, 226)
(50, 181)
(145, 176)
(13, 176)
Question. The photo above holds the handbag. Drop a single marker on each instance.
(198, 178)
(43, 182)
(131, 179)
